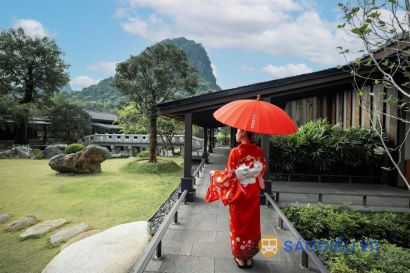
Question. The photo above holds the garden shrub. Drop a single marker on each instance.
(390, 259)
(37, 153)
(320, 147)
(144, 154)
(73, 148)
(325, 222)
(152, 168)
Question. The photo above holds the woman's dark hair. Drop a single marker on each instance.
(250, 136)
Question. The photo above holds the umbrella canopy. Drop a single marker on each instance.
(256, 116)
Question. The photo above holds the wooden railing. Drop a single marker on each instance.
(155, 245)
(306, 254)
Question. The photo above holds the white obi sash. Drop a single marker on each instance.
(247, 175)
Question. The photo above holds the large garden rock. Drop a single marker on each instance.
(22, 223)
(41, 228)
(87, 160)
(80, 237)
(50, 151)
(114, 250)
(18, 152)
(4, 217)
(67, 233)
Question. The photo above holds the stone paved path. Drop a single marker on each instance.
(200, 241)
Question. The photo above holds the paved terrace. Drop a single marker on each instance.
(200, 242)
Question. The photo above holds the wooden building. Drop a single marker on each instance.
(323, 94)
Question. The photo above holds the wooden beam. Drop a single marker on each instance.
(391, 109)
(348, 107)
(309, 109)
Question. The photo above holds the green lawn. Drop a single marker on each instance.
(30, 187)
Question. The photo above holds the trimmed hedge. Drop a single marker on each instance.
(152, 168)
(325, 222)
(392, 230)
(73, 148)
(390, 259)
(320, 147)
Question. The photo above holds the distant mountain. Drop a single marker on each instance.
(106, 98)
(199, 60)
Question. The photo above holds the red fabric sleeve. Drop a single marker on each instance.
(228, 187)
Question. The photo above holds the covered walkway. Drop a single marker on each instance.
(200, 242)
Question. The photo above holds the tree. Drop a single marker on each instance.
(382, 28)
(31, 71)
(167, 129)
(69, 122)
(159, 74)
(132, 121)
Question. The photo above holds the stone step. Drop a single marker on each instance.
(22, 223)
(42, 228)
(80, 237)
(67, 233)
(4, 217)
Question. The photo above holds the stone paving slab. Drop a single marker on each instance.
(225, 265)
(42, 228)
(22, 223)
(187, 264)
(4, 217)
(67, 233)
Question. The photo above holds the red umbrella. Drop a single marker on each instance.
(256, 116)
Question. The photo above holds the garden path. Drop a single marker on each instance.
(200, 242)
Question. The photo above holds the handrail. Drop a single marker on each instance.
(155, 243)
(199, 168)
(320, 176)
(321, 193)
(320, 266)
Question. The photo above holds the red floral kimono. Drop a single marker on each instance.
(242, 196)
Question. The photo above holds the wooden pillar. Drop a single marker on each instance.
(210, 141)
(266, 153)
(205, 153)
(233, 138)
(187, 182)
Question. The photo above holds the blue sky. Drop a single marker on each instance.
(247, 41)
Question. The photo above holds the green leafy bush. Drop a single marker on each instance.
(390, 259)
(73, 148)
(325, 222)
(36, 153)
(320, 147)
(144, 154)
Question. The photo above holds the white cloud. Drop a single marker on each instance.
(214, 70)
(286, 70)
(31, 27)
(103, 66)
(81, 82)
(278, 27)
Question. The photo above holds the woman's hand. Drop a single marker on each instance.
(211, 172)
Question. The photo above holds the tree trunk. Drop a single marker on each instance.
(22, 125)
(153, 137)
(21, 131)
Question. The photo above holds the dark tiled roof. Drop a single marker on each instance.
(101, 115)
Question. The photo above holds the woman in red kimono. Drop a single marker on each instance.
(239, 186)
